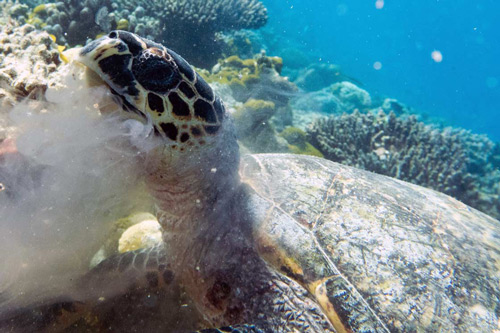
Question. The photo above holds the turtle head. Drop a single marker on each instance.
(158, 85)
(198, 160)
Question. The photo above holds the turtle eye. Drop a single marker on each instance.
(113, 34)
(155, 73)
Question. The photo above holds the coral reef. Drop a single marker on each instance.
(243, 43)
(28, 60)
(257, 78)
(189, 27)
(297, 142)
(453, 161)
(73, 22)
(254, 128)
(338, 98)
(393, 105)
(318, 76)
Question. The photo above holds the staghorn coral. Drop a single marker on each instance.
(453, 161)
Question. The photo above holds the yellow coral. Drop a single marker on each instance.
(259, 104)
(297, 142)
(236, 72)
(122, 24)
(40, 8)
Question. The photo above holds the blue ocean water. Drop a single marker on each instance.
(389, 46)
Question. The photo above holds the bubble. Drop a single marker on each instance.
(377, 65)
(379, 4)
(437, 56)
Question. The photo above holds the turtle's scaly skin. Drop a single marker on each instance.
(300, 243)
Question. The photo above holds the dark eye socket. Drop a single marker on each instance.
(156, 74)
(113, 34)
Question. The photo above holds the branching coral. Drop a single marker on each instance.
(190, 26)
(187, 26)
(453, 161)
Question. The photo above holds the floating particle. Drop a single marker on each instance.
(379, 4)
(377, 65)
(437, 56)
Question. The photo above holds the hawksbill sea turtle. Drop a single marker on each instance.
(289, 243)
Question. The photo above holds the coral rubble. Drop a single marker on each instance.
(28, 60)
(453, 161)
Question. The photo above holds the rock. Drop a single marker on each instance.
(318, 76)
(254, 127)
(297, 142)
(142, 235)
(135, 231)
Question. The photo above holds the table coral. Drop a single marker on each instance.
(450, 160)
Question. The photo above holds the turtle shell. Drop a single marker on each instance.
(379, 254)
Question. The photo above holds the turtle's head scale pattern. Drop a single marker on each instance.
(198, 158)
(159, 86)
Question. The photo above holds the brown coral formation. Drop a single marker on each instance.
(28, 60)
(74, 22)
(257, 78)
(452, 161)
(188, 27)
(254, 127)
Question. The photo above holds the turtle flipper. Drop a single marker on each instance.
(142, 268)
(244, 328)
(117, 284)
